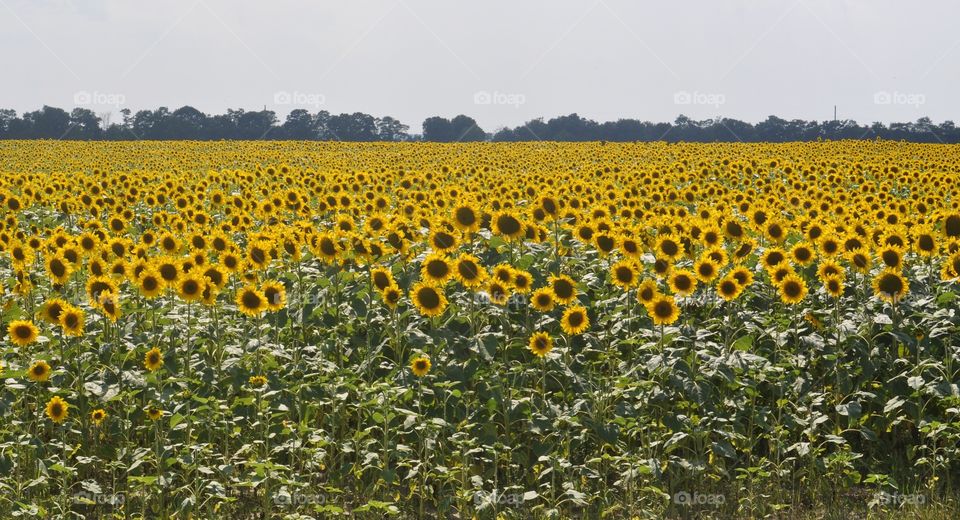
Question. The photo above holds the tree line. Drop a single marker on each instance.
(191, 124)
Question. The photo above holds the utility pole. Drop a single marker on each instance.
(834, 113)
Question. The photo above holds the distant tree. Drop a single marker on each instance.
(390, 129)
(352, 127)
(189, 123)
(300, 125)
(84, 124)
(465, 129)
(437, 129)
(48, 123)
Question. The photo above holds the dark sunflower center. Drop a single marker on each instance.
(23, 332)
(168, 272)
(891, 284)
(563, 288)
(575, 319)
(891, 258)
(327, 247)
(466, 216)
(429, 298)
(952, 226)
(57, 268)
(508, 224)
(791, 289)
(663, 309)
(468, 270)
(669, 247)
(438, 268)
(605, 243)
(251, 300)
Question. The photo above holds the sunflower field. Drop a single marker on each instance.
(528, 330)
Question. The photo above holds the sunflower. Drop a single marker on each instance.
(381, 278)
(540, 344)
(925, 243)
(647, 291)
(663, 310)
(469, 271)
(743, 276)
(575, 320)
(391, 296)
(860, 260)
(442, 240)
(706, 270)
(508, 225)
(682, 282)
(745, 248)
(563, 287)
(150, 283)
(215, 275)
(72, 321)
(257, 381)
(829, 246)
(465, 218)
(669, 247)
(772, 258)
(39, 371)
(276, 295)
(436, 268)
(51, 310)
(168, 268)
(891, 256)
(542, 299)
(153, 359)
(792, 289)
(57, 409)
(428, 299)
(22, 332)
(420, 366)
(503, 273)
(889, 285)
(110, 305)
(58, 268)
(498, 292)
(154, 413)
(190, 287)
(251, 301)
(830, 268)
(729, 288)
(803, 253)
(833, 285)
(624, 274)
(951, 225)
(98, 416)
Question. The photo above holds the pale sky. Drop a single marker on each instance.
(501, 62)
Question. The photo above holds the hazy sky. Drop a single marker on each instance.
(502, 62)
